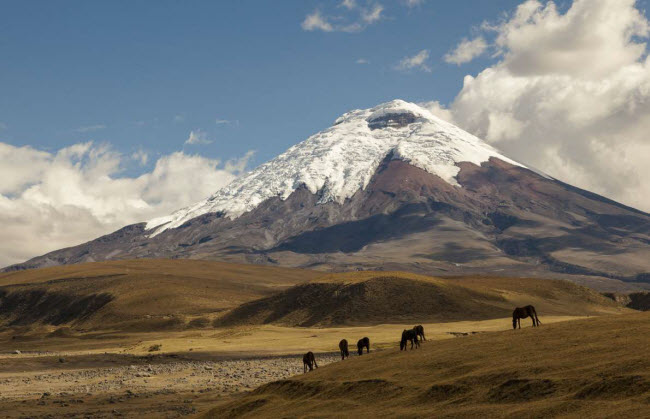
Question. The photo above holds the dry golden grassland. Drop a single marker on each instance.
(597, 367)
(143, 338)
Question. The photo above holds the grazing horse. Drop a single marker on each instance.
(409, 335)
(308, 360)
(343, 346)
(365, 342)
(419, 331)
(522, 313)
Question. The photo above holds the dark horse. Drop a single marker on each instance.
(409, 335)
(308, 360)
(365, 342)
(419, 330)
(343, 346)
(522, 313)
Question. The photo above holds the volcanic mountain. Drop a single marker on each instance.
(394, 187)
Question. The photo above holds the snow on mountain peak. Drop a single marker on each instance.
(343, 158)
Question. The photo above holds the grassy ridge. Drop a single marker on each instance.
(363, 298)
(146, 293)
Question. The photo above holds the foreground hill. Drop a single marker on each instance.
(363, 298)
(591, 368)
(394, 187)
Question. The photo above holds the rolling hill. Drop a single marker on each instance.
(586, 368)
(146, 294)
(365, 298)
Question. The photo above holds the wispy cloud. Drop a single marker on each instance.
(179, 118)
(349, 4)
(90, 128)
(466, 51)
(141, 156)
(413, 3)
(373, 14)
(418, 61)
(362, 61)
(356, 19)
(197, 137)
(239, 165)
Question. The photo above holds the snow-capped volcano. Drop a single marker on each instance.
(394, 187)
(343, 158)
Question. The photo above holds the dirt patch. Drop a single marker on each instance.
(615, 388)
(443, 392)
(366, 389)
(517, 390)
(239, 410)
(461, 334)
(291, 389)
(359, 390)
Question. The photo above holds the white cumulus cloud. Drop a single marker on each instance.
(569, 94)
(53, 200)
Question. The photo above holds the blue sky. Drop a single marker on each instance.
(98, 99)
(141, 75)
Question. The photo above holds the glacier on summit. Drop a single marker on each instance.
(343, 158)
